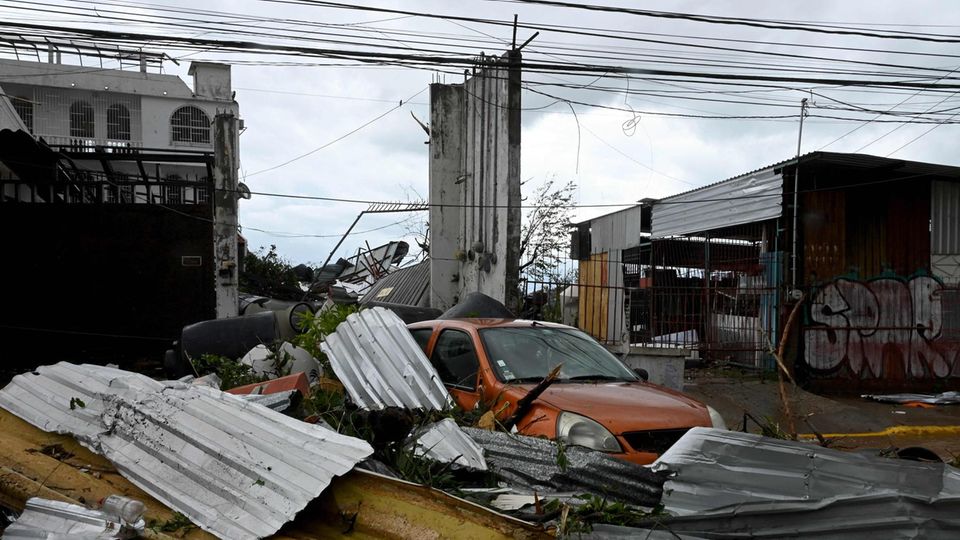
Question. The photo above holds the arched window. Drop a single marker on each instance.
(81, 119)
(190, 125)
(118, 122)
(24, 108)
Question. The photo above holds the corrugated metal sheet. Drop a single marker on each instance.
(945, 218)
(862, 517)
(945, 398)
(615, 231)
(380, 365)
(531, 463)
(236, 469)
(705, 216)
(445, 442)
(44, 518)
(408, 286)
(749, 198)
(717, 470)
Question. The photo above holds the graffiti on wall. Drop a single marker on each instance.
(873, 327)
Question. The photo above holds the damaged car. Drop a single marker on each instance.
(595, 400)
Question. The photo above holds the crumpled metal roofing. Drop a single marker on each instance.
(44, 518)
(945, 398)
(727, 484)
(237, 469)
(380, 365)
(409, 286)
(718, 470)
(445, 442)
(531, 463)
(883, 515)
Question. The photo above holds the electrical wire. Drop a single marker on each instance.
(335, 140)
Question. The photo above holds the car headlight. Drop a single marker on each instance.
(574, 429)
(716, 419)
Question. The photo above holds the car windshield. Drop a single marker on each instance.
(527, 354)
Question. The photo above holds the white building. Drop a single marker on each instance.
(82, 107)
(126, 135)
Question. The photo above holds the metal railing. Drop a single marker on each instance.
(102, 188)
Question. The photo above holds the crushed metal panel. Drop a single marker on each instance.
(68, 399)
(445, 442)
(749, 198)
(531, 463)
(713, 469)
(380, 365)
(45, 518)
(236, 469)
(860, 517)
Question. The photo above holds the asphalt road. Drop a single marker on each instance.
(850, 422)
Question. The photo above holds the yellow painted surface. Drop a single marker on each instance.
(594, 295)
(383, 507)
(894, 431)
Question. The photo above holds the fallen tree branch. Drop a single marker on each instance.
(524, 404)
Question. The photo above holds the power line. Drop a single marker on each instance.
(337, 139)
(755, 23)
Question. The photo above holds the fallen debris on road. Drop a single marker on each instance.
(945, 398)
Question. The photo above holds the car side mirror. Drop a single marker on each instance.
(642, 373)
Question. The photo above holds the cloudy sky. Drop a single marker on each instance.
(613, 155)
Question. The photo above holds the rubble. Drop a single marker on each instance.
(541, 465)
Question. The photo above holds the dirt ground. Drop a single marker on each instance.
(875, 425)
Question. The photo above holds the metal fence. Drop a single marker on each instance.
(88, 187)
(716, 296)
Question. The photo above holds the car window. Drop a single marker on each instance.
(529, 353)
(422, 337)
(456, 359)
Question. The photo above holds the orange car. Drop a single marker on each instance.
(596, 402)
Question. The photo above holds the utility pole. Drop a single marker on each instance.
(796, 198)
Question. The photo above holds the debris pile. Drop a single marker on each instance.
(244, 444)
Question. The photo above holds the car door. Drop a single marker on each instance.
(455, 358)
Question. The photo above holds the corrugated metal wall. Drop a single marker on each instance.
(749, 199)
(945, 218)
(866, 230)
(945, 231)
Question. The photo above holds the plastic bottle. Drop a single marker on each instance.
(129, 511)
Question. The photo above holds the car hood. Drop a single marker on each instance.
(628, 406)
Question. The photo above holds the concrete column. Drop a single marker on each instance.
(512, 259)
(226, 145)
(446, 181)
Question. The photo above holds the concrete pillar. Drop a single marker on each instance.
(446, 181)
(512, 259)
(226, 146)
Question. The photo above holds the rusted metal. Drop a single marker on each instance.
(888, 333)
